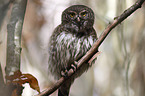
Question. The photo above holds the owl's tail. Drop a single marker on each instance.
(65, 88)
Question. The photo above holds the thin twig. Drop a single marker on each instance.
(95, 46)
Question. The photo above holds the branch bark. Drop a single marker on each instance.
(4, 6)
(95, 46)
(14, 29)
(2, 84)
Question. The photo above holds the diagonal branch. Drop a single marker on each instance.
(95, 46)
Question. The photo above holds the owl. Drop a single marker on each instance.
(69, 42)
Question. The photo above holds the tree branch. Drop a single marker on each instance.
(95, 46)
(2, 84)
(4, 6)
(14, 29)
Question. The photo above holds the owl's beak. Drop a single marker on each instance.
(78, 19)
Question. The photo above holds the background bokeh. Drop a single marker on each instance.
(119, 69)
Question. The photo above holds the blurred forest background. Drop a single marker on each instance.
(118, 71)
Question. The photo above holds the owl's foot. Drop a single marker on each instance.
(74, 66)
(64, 73)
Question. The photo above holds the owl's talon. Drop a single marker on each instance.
(74, 66)
(75, 62)
(64, 73)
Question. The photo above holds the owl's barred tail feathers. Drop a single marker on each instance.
(64, 89)
(63, 92)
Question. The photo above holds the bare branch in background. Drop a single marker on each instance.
(14, 29)
(2, 84)
(94, 48)
(3, 9)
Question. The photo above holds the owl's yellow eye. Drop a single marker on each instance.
(83, 14)
(72, 14)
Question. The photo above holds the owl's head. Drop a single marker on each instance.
(78, 15)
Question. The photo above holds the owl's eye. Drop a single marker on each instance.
(72, 14)
(83, 14)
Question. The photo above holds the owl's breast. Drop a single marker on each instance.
(65, 48)
(74, 47)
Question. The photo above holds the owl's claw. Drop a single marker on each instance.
(74, 66)
(75, 62)
(64, 73)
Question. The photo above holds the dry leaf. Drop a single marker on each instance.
(28, 78)
(19, 78)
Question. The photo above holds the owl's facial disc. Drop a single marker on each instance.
(72, 14)
(78, 19)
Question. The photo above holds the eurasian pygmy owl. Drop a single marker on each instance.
(70, 41)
